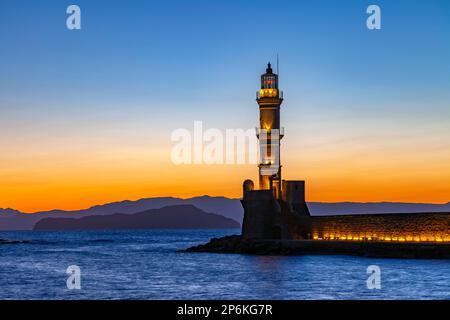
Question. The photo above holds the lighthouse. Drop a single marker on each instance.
(278, 209)
(271, 211)
(269, 133)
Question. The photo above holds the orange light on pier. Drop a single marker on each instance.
(376, 237)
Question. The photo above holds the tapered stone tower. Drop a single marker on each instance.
(276, 209)
(269, 99)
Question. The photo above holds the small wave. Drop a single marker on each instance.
(102, 240)
(40, 242)
(6, 241)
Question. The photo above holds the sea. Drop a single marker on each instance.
(147, 264)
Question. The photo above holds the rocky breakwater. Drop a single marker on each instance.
(237, 244)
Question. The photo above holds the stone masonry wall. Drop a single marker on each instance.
(383, 227)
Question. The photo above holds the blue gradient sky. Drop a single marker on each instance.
(138, 70)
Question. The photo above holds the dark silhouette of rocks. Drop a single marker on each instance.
(171, 217)
(237, 244)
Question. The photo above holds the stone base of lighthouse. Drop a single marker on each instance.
(266, 217)
(288, 218)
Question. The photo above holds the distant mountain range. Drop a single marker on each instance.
(15, 220)
(171, 217)
(11, 219)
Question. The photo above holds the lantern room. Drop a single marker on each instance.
(269, 84)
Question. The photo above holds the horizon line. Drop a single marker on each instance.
(209, 196)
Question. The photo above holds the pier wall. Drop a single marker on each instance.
(419, 227)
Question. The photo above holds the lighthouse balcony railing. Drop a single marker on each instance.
(278, 95)
(271, 132)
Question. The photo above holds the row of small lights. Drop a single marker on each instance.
(374, 238)
(268, 92)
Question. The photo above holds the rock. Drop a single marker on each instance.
(237, 244)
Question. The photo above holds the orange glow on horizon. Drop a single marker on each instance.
(40, 179)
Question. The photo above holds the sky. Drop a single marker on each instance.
(86, 116)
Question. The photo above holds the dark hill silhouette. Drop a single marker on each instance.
(11, 219)
(231, 208)
(172, 217)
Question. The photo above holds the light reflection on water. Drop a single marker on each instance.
(145, 265)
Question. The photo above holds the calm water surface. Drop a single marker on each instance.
(145, 265)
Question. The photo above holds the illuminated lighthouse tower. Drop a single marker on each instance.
(273, 211)
(269, 133)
